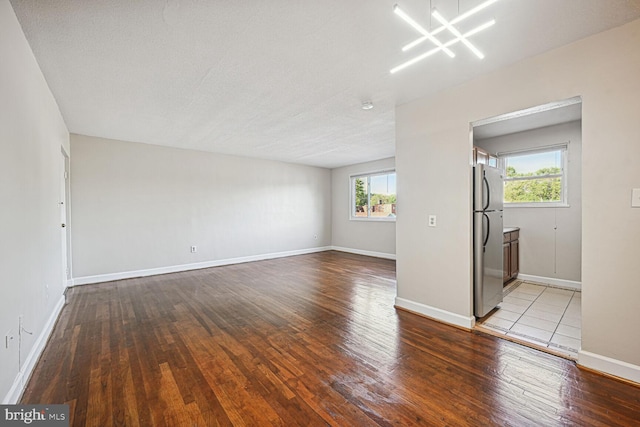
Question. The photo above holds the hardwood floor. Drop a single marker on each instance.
(306, 340)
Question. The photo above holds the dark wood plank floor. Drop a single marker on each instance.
(306, 340)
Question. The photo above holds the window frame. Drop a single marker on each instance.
(352, 196)
(563, 175)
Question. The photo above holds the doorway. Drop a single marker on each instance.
(539, 151)
(65, 232)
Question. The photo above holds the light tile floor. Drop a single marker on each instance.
(542, 315)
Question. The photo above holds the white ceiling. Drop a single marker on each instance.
(280, 80)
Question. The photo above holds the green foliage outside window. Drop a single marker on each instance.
(544, 186)
(374, 196)
(382, 199)
(361, 194)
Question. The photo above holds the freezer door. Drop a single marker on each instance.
(495, 181)
(488, 188)
(488, 261)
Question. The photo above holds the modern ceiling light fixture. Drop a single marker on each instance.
(454, 21)
(420, 29)
(457, 33)
(445, 25)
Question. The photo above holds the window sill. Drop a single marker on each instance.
(373, 219)
(536, 205)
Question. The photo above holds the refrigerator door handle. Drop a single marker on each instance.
(486, 239)
(488, 193)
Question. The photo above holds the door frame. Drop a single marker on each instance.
(65, 218)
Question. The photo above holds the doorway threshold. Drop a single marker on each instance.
(527, 343)
(539, 316)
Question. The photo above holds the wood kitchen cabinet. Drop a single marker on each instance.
(511, 254)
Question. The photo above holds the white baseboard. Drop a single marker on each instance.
(20, 382)
(562, 283)
(86, 280)
(609, 366)
(436, 313)
(363, 252)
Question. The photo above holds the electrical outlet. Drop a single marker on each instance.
(194, 249)
(432, 220)
(635, 198)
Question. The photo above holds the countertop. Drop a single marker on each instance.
(510, 229)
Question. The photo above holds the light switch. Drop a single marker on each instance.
(635, 198)
(432, 220)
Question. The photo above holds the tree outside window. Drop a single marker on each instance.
(362, 201)
(536, 177)
(374, 196)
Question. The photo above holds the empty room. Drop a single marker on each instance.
(324, 213)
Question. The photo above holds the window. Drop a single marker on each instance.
(373, 196)
(535, 177)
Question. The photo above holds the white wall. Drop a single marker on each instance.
(434, 176)
(550, 238)
(32, 134)
(139, 207)
(376, 238)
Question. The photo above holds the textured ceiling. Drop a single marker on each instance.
(281, 80)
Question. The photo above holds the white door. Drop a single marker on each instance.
(64, 175)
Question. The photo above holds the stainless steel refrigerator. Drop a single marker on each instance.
(488, 190)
